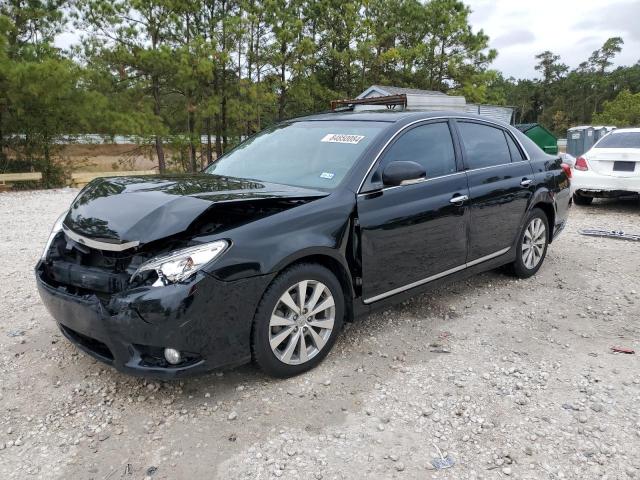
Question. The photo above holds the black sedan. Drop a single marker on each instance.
(305, 226)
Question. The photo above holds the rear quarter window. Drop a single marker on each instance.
(516, 154)
(532, 148)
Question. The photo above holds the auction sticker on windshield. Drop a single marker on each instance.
(342, 138)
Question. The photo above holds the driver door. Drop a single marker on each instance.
(412, 234)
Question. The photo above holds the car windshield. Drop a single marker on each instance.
(312, 154)
(620, 140)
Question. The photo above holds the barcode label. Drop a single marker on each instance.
(342, 138)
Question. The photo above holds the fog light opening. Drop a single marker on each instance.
(172, 356)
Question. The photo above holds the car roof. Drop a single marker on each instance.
(625, 130)
(392, 116)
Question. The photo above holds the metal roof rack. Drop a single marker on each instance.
(391, 101)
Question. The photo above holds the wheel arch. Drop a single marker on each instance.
(550, 212)
(335, 266)
(543, 199)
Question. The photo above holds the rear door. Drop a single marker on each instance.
(411, 233)
(501, 182)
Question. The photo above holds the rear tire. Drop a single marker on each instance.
(531, 249)
(298, 320)
(582, 200)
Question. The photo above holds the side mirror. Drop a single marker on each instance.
(403, 173)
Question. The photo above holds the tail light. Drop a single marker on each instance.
(581, 164)
(567, 169)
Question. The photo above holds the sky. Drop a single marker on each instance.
(520, 29)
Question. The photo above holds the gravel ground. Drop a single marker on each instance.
(492, 377)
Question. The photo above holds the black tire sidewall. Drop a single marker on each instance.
(520, 269)
(261, 349)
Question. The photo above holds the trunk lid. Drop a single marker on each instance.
(615, 162)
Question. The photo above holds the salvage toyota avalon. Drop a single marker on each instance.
(307, 225)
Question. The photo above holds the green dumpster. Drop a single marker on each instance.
(546, 140)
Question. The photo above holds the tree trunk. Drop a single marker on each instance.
(224, 123)
(224, 77)
(155, 82)
(283, 90)
(218, 122)
(2, 144)
(193, 165)
(441, 65)
(207, 126)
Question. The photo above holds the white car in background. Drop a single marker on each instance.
(610, 169)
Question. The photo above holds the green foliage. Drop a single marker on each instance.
(562, 98)
(42, 95)
(171, 72)
(227, 69)
(623, 111)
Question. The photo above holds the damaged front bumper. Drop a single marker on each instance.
(206, 319)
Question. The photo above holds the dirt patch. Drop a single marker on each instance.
(108, 157)
(503, 378)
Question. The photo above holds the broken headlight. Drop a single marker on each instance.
(54, 231)
(181, 264)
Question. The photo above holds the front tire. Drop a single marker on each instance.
(298, 320)
(582, 200)
(532, 244)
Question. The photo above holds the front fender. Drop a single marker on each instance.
(321, 227)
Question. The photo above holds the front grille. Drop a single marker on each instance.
(82, 270)
(88, 278)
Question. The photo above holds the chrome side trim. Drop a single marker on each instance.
(423, 180)
(488, 257)
(479, 169)
(89, 242)
(435, 277)
(414, 284)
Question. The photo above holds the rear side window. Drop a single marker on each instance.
(429, 145)
(485, 146)
(620, 140)
(516, 154)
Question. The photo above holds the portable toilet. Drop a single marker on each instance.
(599, 131)
(608, 129)
(579, 140)
(542, 137)
(590, 139)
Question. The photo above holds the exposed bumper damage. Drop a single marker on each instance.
(206, 319)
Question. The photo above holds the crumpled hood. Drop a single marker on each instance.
(143, 209)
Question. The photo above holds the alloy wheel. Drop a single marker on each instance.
(301, 322)
(534, 243)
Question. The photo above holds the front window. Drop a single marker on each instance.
(312, 154)
(620, 140)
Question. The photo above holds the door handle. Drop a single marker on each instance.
(459, 199)
(525, 182)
